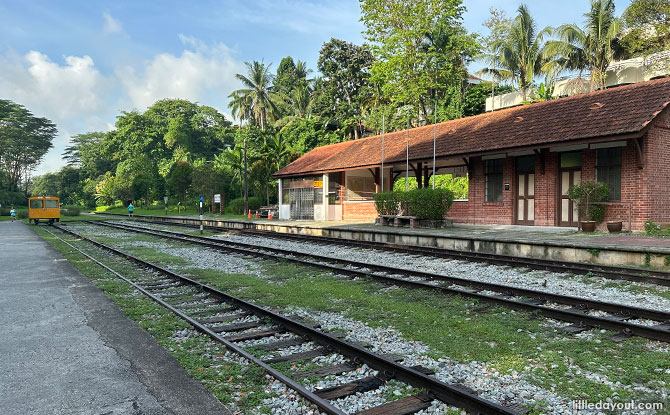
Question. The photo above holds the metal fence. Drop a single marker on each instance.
(302, 203)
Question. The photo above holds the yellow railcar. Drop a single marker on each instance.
(44, 208)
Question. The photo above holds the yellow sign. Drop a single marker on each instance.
(318, 183)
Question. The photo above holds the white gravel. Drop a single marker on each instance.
(601, 289)
(490, 384)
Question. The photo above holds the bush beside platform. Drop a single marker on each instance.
(423, 208)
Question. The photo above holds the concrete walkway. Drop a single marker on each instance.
(66, 348)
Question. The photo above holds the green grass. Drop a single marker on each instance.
(505, 340)
(200, 356)
(172, 211)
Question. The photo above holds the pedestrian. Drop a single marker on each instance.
(130, 209)
(13, 214)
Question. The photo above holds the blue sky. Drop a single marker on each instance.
(80, 63)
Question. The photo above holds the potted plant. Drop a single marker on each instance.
(614, 226)
(585, 195)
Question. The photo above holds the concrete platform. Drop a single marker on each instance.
(66, 348)
(563, 244)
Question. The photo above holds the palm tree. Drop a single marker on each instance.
(519, 55)
(257, 93)
(241, 106)
(586, 49)
(232, 159)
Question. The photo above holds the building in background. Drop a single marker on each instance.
(520, 162)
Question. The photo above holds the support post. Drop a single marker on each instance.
(200, 215)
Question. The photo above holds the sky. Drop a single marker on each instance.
(81, 63)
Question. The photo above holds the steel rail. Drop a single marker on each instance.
(444, 392)
(606, 271)
(575, 317)
(322, 404)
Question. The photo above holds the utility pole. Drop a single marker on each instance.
(246, 189)
(407, 154)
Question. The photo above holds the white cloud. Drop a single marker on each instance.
(48, 87)
(72, 94)
(112, 25)
(78, 98)
(201, 73)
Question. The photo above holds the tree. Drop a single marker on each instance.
(88, 152)
(179, 179)
(647, 24)
(498, 25)
(257, 92)
(419, 46)
(206, 180)
(520, 56)
(344, 86)
(24, 140)
(586, 49)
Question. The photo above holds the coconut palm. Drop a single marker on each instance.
(241, 106)
(257, 94)
(519, 55)
(586, 49)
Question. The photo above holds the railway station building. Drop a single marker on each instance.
(520, 162)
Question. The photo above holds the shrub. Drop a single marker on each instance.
(22, 214)
(585, 194)
(71, 211)
(387, 203)
(656, 229)
(428, 204)
(236, 206)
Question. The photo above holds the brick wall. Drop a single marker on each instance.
(656, 149)
(476, 209)
(646, 190)
(359, 211)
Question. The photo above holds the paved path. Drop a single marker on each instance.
(66, 348)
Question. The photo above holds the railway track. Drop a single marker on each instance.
(612, 272)
(215, 313)
(584, 314)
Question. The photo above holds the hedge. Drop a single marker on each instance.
(427, 204)
(387, 203)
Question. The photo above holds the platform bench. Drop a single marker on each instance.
(399, 221)
(386, 219)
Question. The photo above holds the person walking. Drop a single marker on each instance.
(13, 214)
(130, 209)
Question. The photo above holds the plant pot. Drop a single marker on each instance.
(614, 226)
(588, 225)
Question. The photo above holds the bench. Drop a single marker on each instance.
(399, 221)
(265, 210)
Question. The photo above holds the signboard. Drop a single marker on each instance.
(217, 198)
(201, 199)
(318, 183)
(165, 199)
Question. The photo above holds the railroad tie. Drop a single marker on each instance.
(404, 406)
(237, 327)
(281, 344)
(296, 357)
(253, 335)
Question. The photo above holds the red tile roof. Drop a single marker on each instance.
(621, 110)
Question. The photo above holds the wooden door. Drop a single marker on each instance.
(567, 209)
(525, 199)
